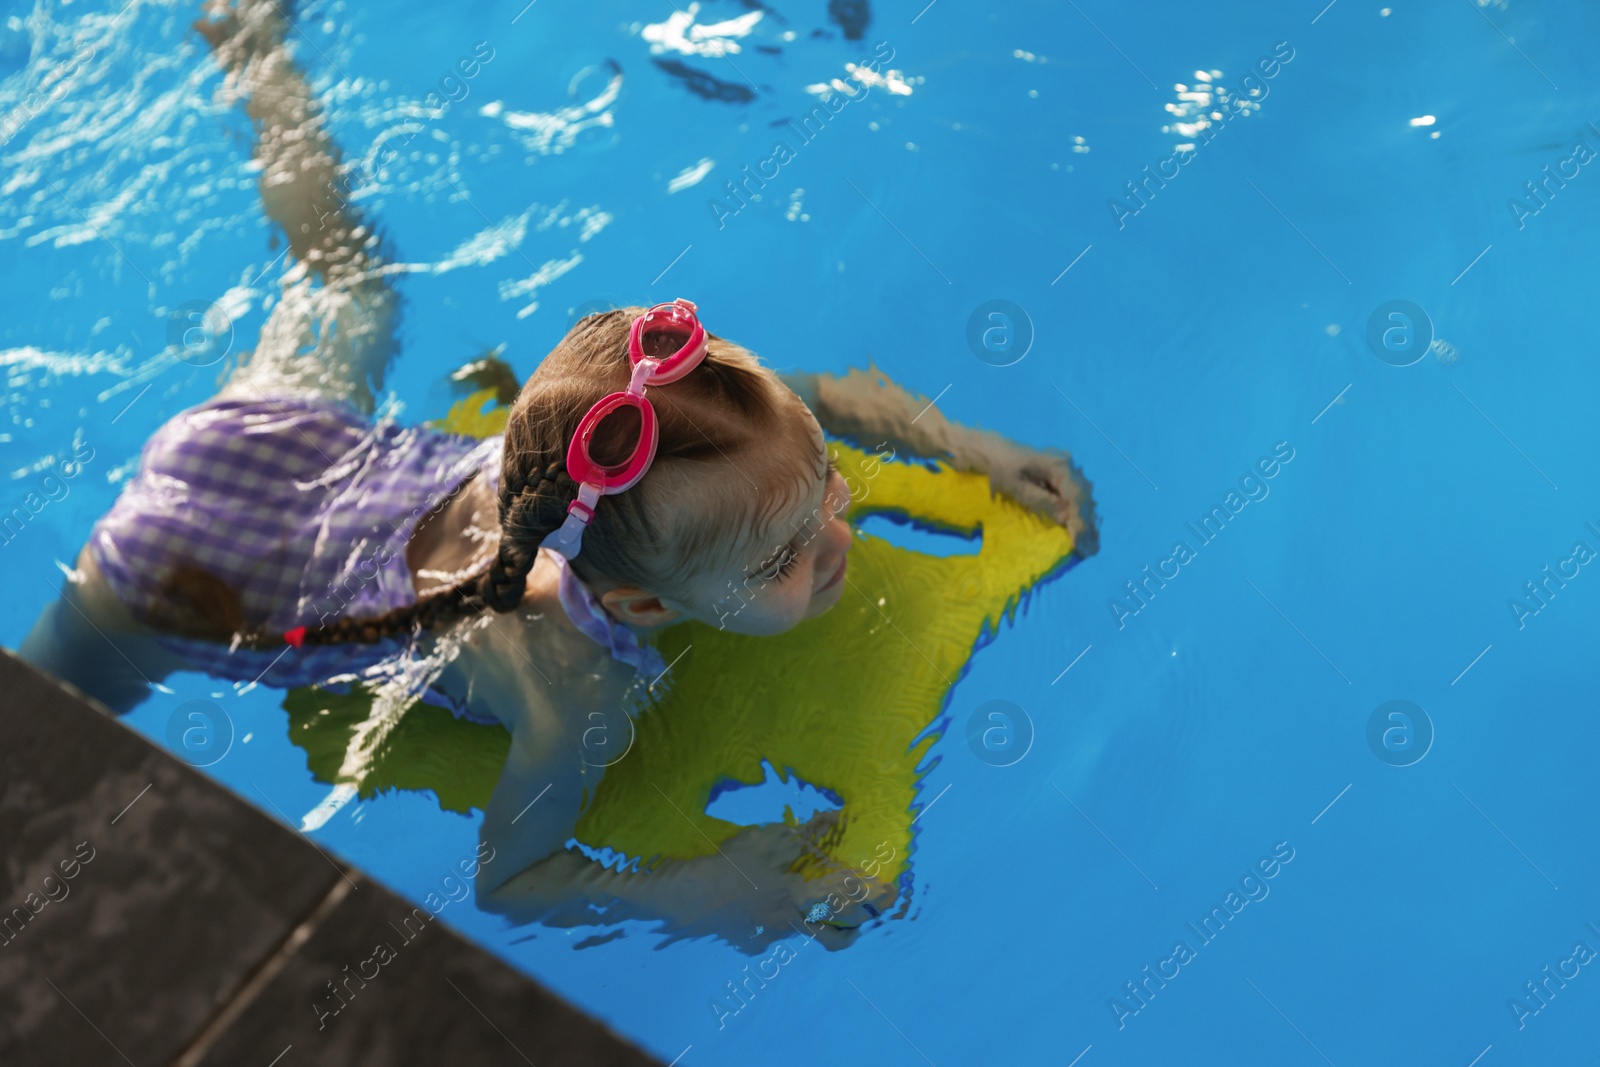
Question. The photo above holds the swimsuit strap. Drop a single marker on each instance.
(588, 616)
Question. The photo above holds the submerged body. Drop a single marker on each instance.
(213, 556)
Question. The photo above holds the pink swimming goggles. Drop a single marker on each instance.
(676, 343)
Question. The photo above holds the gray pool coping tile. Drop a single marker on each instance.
(194, 926)
(370, 987)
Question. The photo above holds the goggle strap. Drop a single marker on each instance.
(641, 374)
(567, 539)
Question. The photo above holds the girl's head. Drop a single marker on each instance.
(737, 522)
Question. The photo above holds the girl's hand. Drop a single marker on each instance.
(1042, 480)
(829, 908)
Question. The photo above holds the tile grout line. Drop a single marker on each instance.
(267, 970)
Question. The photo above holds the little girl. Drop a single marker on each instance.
(651, 472)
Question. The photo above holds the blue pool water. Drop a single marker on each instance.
(1181, 751)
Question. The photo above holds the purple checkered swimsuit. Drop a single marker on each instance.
(304, 507)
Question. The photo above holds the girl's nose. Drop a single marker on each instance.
(846, 535)
(835, 545)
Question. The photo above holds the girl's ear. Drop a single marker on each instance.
(634, 606)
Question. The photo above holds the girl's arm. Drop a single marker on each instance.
(542, 787)
(744, 893)
(542, 678)
(534, 806)
(552, 772)
(868, 409)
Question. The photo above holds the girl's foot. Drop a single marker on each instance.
(239, 32)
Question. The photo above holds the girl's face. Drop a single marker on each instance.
(792, 571)
(796, 573)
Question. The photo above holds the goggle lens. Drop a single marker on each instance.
(664, 330)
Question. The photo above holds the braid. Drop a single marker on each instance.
(503, 585)
(526, 508)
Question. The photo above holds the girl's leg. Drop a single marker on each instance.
(86, 638)
(331, 333)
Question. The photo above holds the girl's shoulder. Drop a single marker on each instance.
(559, 617)
(533, 664)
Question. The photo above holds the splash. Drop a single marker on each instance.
(1202, 106)
(680, 33)
(553, 132)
